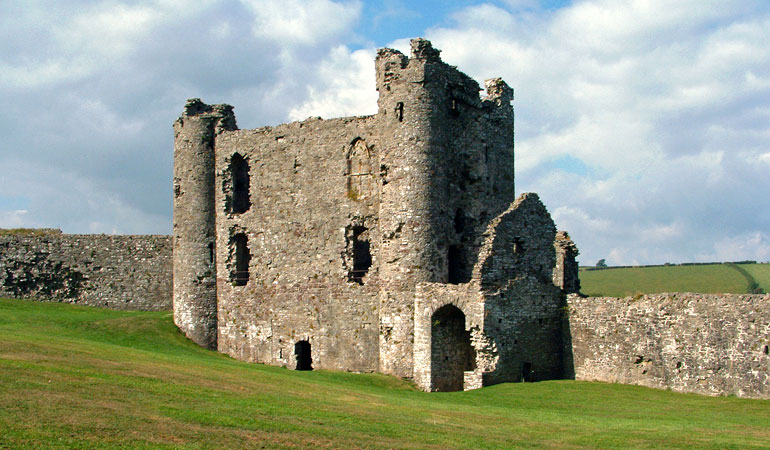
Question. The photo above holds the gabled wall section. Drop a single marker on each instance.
(523, 307)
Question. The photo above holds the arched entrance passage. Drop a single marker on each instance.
(450, 349)
(302, 353)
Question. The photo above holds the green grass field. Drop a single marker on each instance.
(711, 278)
(75, 377)
(760, 272)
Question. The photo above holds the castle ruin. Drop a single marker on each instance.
(390, 243)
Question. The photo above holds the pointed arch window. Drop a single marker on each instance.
(361, 183)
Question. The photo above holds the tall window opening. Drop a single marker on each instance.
(358, 243)
(239, 168)
(362, 183)
(302, 354)
(240, 270)
(451, 351)
(458, 270)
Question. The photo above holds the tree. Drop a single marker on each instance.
(601, 263)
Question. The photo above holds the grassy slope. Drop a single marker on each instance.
(76, 377)
(713, 278)
(760, 272)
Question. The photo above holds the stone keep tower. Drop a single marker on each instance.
(449, 161)
(387, 243)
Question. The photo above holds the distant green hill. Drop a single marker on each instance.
(704, 278)
(74, 377)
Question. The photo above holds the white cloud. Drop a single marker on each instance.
(664, 105)
(344, 85)
(752, 245)
(301, 22)
(644, 124)
(16, 218)
(95, 87)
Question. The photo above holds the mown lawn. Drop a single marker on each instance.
(77, 377)
(622, 282)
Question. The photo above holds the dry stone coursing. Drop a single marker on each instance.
(702, 343)
(119, 272)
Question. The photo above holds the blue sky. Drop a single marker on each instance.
(644, 125)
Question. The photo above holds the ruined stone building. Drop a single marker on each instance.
(390, 243)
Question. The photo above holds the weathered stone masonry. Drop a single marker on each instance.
(708, 344)
(119, 272)
(386, 243)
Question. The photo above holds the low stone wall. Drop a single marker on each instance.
(702, 343)
(119, 272)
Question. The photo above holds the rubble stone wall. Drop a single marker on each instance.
(119, 272)
(703, 343)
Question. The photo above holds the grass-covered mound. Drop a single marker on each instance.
(77, 377)
(703, 278)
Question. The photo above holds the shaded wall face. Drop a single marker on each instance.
(195, 300)
(312, 235)
(119, 272)
(523, 307)
(525, 323)
(702, 343)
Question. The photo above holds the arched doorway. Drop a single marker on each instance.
(302, 353)
(450, 349)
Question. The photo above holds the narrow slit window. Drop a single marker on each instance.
(362, 254)
(239, 168)
(457, 270)
(240, 272)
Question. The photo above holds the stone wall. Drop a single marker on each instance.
(313, 201)
(119, 272)
(702, 343)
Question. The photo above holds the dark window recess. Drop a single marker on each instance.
(518, 246)
(239, 168)
(457, 268)
(400, 111)
(211, 252)
(527, 374)
(302, 353)
(240, 273)
(362, 254)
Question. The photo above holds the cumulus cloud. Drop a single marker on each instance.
(643, 124)
(343, 85)
(91, 89)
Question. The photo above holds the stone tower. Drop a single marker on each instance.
(195, 291)
(448, 159)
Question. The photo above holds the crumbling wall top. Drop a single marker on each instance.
(498, 90)
(223, 112)
(423, 50)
